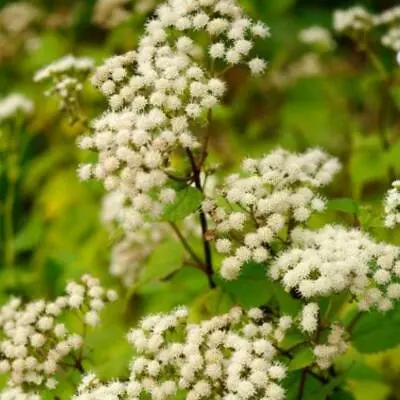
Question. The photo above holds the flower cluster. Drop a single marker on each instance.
(309, 65)
(110, 13)
(392, 39)
(392, 206)
(14, 393)
(14, 104)
(356, 21)
(272, 192)
(67, 76)
(16, 22)
(318, 36)
(36, 345)
(309, 318)
(233, 355)
(157, 93)
(336, 345)
(92, 389)
(129, 254)
(144, 6)
(353, 21)
(390, 16)
(333, 259)
(18, 17)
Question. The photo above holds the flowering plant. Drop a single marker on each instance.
(288, 291)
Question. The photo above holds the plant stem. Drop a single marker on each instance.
(302, 384)
(9, 253)
(354, 322)
(385, 79)
(203, 222)
(12, 178)
(185, 244)
(376, 62)
(308, 370)
(203, 154)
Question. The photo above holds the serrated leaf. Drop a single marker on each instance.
(303, 358)
(187, 202)
(252, 288)
(347, 206)
(376, 331)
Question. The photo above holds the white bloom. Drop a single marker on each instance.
(13, 104)
(270, 191)
(317, 35)
(392, 206)
(333, 260)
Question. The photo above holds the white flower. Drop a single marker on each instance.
(13, 104)
(229, 353)
(333, 260)
(157, 92)
(317, 35)
(34, 342)
(392, 206)
(271, 191)
(309, 318)
(354, 19)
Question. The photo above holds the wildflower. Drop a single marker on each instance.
(392, 206)
(35, 343)
(159, 91)
(319, 36)
(333, 260)
(270, 192)
(13, 104)
(230, 353)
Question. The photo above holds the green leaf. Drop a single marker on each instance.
(29, 237)
(166, 259)
(187, 202)
(343, 395)
(303, 358)
(52, 273)
(293, 337)
(376, 331)
(327, 389)
(251, 289)
(210, 303)
(292, 384)
(186, 285)
(287, 304)
(347, 206)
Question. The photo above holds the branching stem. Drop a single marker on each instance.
(203, 221)
(185, 244)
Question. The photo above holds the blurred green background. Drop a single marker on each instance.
(56, 218)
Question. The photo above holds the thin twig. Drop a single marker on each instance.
(302, 384)
(354, 322)
(287, 354)
(204, 151)
(185, 244)
(203, 221)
